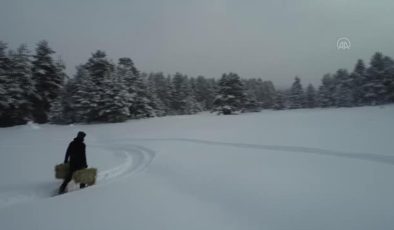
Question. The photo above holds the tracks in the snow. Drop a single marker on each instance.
(379, 158)
(136, 158)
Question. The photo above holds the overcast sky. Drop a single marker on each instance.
(271, 39)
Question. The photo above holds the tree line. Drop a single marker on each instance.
(35, 87)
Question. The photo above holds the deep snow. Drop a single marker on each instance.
(299, 169)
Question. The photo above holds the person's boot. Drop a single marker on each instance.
(62, 190)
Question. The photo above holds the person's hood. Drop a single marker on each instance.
(79, 139)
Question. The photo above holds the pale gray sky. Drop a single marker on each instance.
(271, 39)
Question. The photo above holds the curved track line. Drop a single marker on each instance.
(137, 158)
(379, 158)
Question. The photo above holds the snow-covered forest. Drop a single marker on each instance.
(35, 87)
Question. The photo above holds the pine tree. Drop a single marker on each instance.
(231, 96)
(279, 102)
(251, 104)
(56, 114)
(326, 92)
(153, 91)
(343, 94)
(374, 88)
(5, 81)
(169, 86)
(178, 93)
(311, 97)
(388, 79)
(106, 93)
(358, 78)
(47, 81)
(204, 92)
(140, 103)
(69, 107)
(81, 97)
(191, 105)
(99, 67)
(183, 101)
(163, 90)
(114, 104)
(267, 93)
(297, 97)
(23, 91)
(61, 69)
(155, 102)
(213, 86)
(96, 93)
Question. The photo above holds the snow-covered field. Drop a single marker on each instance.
(301, 169)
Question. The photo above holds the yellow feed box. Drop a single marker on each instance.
(61, 171)
(85, 176)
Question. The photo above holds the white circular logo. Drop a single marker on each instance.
(343, 43)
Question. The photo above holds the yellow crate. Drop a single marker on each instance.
(85, 176)
(62, 170)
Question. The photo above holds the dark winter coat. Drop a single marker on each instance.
(76, 155)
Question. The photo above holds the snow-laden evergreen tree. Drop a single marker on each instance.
(163, 90)
(99, 67)
(279, 102)
(358, 78)
(251, 104)
(125, 73)
(145, 104)
(250, 87)
(262, 91)
(374, 88)
(191, 105)
(231, 95)
(388, 79)
(266, 94)
(183, 101)
(96, 94)
(47, 80)
(68, 105)
(204, 92)
(155, 102)
(261, 94)
(296, 97)
(80, 100)
(57, 113)
(23, 91)
(138, 98)
(107, 95)
(310, 100)
(170, 92)
(179, 93)
(343, 94)
(192, 84)
(326, 92)
(114, 104)
(61, 69)
(5, 81)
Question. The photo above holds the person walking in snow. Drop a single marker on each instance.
(76, 156)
